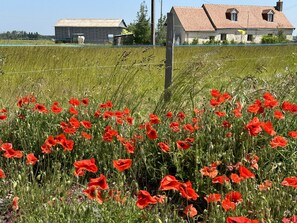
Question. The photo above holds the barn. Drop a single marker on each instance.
(98, 31)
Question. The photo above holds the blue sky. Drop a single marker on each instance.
(40, 16)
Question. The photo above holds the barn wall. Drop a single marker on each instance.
(92, 34)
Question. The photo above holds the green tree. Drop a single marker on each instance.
(141, 27)
(161, 30)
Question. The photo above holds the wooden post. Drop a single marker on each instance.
(169, 57)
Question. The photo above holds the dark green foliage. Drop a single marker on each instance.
(141, 27)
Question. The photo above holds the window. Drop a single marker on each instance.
(268, 15)
(232, 14)
(211, 38)
(250, 37)
(223, 36)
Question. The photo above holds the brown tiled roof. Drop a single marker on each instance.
(193, 19)
(248, 17)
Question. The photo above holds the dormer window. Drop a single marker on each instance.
(232, 14)
(268, 15)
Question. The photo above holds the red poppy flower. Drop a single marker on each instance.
(15, 203)
(160, 198)
(164, 147)
(234, 196)
(290, 181)
(129, 147)
(41, 108)
(119, 114)
(129, 120)
(5, 146)
(215, 93)
(86, 124)
(228, 205)
(286, 106)
(235, 178)
(293, 134)
(56, 109)
(74, 122)
(254, 127)
(11, 153)
(181, 115)
(187, 191)
(3, 110)
(50, 141)
(99, 182)
(67, 144)
(279, 114)
(108, 104)
(31, 159)
(256, 108)
(269, 100)
(211, 172)
(189, 127)
(278, 141)
(174, 126)
(60, 138)
(122, 164)
(154, 119)
(169, 114)
(226, 124)
(74, 102)
(144, 199)
(2, 174)
(93, 193)
(266, 185)
(220, 114)
(240, 220)
(152, 134)
(292, 219)
(73, 111)
(3, 117)
(267, 126)
(211, 198)
(46, 149)
(86, 135)
(237, 110)
(85, 101)
(183, 145)
(169, 183)
(85, 165)
(245, 173)
(108, 136)
(190, 211)
(97, 113)
(221, 179)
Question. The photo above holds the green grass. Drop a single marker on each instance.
(59, 72)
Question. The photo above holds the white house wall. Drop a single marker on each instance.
(231, 34)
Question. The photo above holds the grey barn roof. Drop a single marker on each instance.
(91, 23)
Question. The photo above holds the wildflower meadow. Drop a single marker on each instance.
(230, 157)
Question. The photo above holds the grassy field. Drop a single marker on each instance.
(85, 135)
(57, 72)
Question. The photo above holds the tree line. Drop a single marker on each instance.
(23, 35)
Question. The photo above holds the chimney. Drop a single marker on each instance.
(279, 5)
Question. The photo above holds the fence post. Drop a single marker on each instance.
(169, 57)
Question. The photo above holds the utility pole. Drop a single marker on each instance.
(153, 33)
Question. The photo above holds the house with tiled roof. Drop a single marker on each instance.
(239, 23)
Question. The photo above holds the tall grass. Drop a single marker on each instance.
(49, 191)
